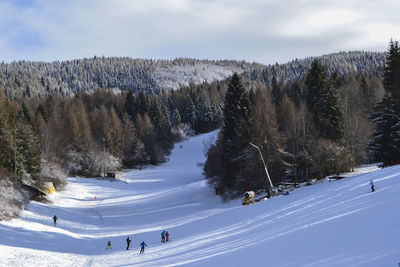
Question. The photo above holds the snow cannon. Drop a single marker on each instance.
(248, 198)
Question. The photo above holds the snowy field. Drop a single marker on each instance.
(336, 223)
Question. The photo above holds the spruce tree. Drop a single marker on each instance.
(132, 149)
(235, 135)
(176, 119)
(6, 145)
(130, 104)
(142, 103)
(276, 92)
(385, 145)
(28, 150)
(386, 116)
(391, 77)
(323, 103)
(6, 135)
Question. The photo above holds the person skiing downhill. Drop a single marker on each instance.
(55, 220)
(128, 242)
(142, 245)
(372, 186)
(167, 236)
(108, 245)
(163, 237)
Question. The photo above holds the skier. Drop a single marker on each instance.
(163, 237)
(108, 245)
(372, 186)
(142, 245)
(55, 220)
(167, 236)
(128, 242)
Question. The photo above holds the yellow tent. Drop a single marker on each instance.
(48, 188)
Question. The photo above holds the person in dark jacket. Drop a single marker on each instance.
(128, 242)
(108, 245)
(55, 220)
(142, 245)
(163, 237)
(167, 236)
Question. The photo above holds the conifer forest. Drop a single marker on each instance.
(310, 118)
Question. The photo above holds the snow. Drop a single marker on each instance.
(176, 76)
(331, 223)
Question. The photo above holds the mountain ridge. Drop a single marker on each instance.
(26, 79)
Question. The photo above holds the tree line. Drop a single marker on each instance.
(385, 145)
(45, 137)
(26, 79)
(315, 126)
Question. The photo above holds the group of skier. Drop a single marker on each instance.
(165, 234)
(164, 238)
(128, 243)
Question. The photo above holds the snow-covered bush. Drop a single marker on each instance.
(328, 158)
(182, 132)
(53, 172)
(12, 200)
(92, 163)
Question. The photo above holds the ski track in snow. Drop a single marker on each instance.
(337, 223)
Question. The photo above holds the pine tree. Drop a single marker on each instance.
(6, 135)
(190, 115)
(176, 119)
(323, 103)
(130, 104)
(264, 134)
(132, 149)
(386, 115)
(6, 145)
(385, 146)
(276, 91)
(391, 78)
(142, 103)
(235, 135)
(28, 150)
(145, 131)
(162, 124)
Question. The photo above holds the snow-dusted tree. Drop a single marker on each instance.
(276, 91)
(323, 103)
(133, 150)
(145, 132)
(233, 139)
(28, 150)
(386, 115)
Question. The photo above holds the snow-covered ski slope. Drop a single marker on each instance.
(336, 223)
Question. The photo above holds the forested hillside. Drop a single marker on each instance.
(88, 116)
(322, 123)
(31, 79)
(43, 140)
(39, 79)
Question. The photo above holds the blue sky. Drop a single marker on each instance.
(265, 31)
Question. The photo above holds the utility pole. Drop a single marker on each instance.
(41, 144)
(104, 157)
(15, 152)
(268, 180)
(112, 145)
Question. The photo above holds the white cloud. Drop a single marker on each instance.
(256, 30)
(316, 22)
